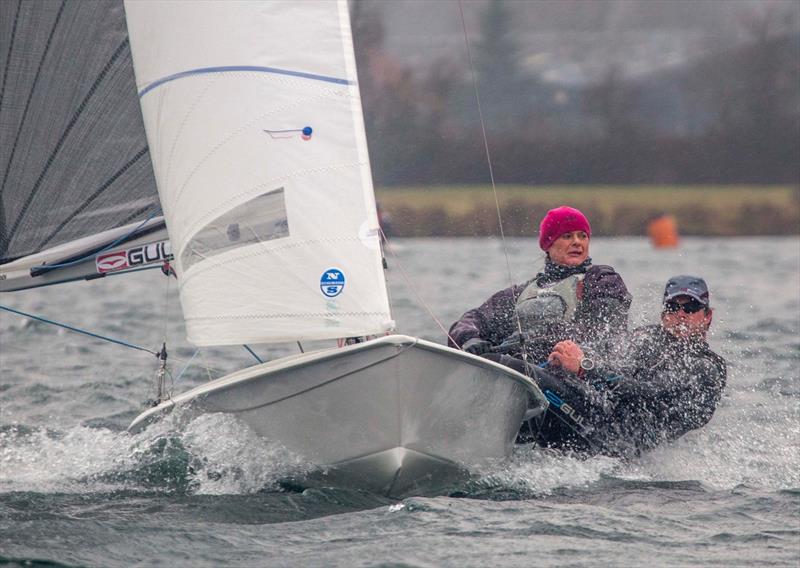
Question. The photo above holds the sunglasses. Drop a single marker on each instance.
(691, 307)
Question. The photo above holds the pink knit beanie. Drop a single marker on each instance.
(559, 221)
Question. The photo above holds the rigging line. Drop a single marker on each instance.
(67, 130)
(415, 291)
(253, 353)
(96, 336)
(119, 240)
(165, 312)
(155, 206)
(33, 88)
(488, 156)
(485, 141)
(78, 330)
(185, 367)
(206, 366)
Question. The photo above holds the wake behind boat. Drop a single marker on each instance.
(253, 122)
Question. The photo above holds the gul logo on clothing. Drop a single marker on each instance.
(332, 282)
(556, 401)
(133, 257)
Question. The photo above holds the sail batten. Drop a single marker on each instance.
(259, 151)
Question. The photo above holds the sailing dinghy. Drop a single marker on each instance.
(254, 127)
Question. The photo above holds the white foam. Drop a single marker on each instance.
(213, 454)
(229, 458)
(537, 471)
(48, 462)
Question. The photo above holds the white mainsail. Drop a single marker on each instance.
(262, 168)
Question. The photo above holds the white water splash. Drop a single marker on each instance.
(536, 471)
(50, 462)
(742, 445)
(213, 454)
(229, 458)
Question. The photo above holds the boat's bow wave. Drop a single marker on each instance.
(212, 454)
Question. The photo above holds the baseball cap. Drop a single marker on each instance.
(685, 285)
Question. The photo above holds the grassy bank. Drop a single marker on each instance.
(626, 210)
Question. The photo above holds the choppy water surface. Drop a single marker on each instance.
(76, 489)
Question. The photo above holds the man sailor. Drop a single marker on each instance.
(669, 383)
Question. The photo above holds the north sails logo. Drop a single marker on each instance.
(332, 282)
(133, 257)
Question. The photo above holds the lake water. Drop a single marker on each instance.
(77, 490)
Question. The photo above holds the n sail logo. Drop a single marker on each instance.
(133, 257)
(332, 282)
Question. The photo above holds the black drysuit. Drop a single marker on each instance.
(662, 389)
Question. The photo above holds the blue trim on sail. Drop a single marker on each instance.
(250, 68)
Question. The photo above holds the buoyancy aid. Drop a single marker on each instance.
(540, 307)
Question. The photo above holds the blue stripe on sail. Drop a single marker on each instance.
(251, 68)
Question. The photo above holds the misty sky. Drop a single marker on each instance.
(572, 40)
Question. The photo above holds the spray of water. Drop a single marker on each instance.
(212, 454)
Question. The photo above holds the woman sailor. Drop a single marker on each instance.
(570, 299)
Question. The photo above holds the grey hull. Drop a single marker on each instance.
(395, 415)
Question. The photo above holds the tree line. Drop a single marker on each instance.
(729, 118)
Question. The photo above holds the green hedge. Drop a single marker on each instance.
(613, 211)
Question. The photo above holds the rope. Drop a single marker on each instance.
(494, 191)
(166, 270)
(78, 330)
(489, 161)
(121, 239)
(186, 366)
(413, 289)
(207, 367)
(253, 353)
(485, 143)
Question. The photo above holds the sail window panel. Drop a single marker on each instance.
(257, 220)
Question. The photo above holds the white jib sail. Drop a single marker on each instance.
(253, 118)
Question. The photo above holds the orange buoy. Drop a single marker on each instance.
(663, 231)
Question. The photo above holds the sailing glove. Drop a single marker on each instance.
(477, 346)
